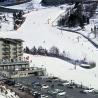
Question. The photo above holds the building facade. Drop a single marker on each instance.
(11, 55)
(11, 50)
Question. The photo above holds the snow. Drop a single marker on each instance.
(2, 96)
(6, 24)
(38, 30)
(9, 93)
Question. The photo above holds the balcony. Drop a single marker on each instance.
(19, 51)
(6, 53)
(20, 44)
(20, 54)
(6, 57)
(15, 52)
(5, 49)
(15, 48)
(20, 47)
(15, 56)
(5, 44)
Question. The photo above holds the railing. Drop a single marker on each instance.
(5, 44)
(17, 62)
(6, 53)
(14, 48)
(20, 54)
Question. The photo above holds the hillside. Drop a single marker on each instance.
(37, 30)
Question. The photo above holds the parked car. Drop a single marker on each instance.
(44, 96)
(18, 85)
(49, 81)
(96, 91)
(60, 84)
(36, 93)
(37, 84)
(90, 90)
(9, 82)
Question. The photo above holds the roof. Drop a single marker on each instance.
(12, 40)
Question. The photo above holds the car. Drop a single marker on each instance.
(90, 90)
(60, 84)
(96, 91)
(44, 96)
(45, 86)
(18, 85)
(36, 93)
(10, 82)
(49, 81)
(66, 83)
(70, 86)
(33, 82)
(37, 84)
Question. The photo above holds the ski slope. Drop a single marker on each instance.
(38, 30)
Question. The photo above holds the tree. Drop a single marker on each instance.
(41, 50)
(20, 14)
(34, 50)
(27, 50)
(54, 51)
(95, 31)
(53, 2)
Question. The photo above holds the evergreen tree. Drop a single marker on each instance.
(54, 51)
(27, 50)
(34, 50)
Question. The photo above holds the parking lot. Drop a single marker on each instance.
(52, 87)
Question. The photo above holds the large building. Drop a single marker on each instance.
(11, 55)
(12, 64)
(11, 50)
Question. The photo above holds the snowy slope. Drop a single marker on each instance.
(38, 30)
